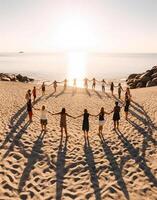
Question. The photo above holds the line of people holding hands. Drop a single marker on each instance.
(86, 84)
(85, 125)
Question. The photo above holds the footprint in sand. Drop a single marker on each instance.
(155, 115)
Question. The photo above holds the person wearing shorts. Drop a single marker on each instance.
(43, 118)
(101, 119)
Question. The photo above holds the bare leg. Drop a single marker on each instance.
(118, 125)
(45, 127)
(99, 129)
(114, 125)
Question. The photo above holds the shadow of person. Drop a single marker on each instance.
(140, 160)
(87, 92)
(98, 94)
(117, 99)
(144, 118)
(61, 93)
(14, 126)
(32, 159)
(50, 95)
(16, 140)
(114, 166)
(16, 121)
(92, 169)
(140, 109)
(107, 95)
(60, 167)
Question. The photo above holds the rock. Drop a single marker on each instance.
(150, 84)
(131, 76)
(13, 77)
(5, 78)
(154, 80)
(146, 79)
(141, 85)
(154, 75)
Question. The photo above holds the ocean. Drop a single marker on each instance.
(57, 66)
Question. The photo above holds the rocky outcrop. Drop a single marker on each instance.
(146, 79)
(15, 78)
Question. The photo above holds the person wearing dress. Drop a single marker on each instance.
(112, 88)
(29, 110)
(43, 88)
(116, 115)
(85, 124)
(126, 106)
(63, 120)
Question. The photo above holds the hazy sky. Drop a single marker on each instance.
(95, 25)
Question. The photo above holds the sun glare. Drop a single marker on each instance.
(77, 67)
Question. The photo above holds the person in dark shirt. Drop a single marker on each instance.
(126, 106)
(85, 124)
(116, 115)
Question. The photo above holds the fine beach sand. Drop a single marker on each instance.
(121, 165)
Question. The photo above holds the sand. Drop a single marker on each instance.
(119, 165)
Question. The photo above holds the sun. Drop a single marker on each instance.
(77, 63)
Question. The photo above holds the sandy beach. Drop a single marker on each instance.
(120, 165)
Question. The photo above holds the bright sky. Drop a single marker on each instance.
(66, 25)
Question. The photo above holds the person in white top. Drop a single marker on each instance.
(43, 118)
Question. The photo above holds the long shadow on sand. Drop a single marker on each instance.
(92, 169)
(50, 95)
(98, 94)
(87, 92)
(145, 120)
(140, 160)
(15, 122)
(16, 140)
(32, 159)
(61, 93)
(114, 167)
(60, 167)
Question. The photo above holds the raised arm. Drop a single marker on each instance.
(69, 115)
(93, 115)
(56, 113)
(79, 116)
(107, 113)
